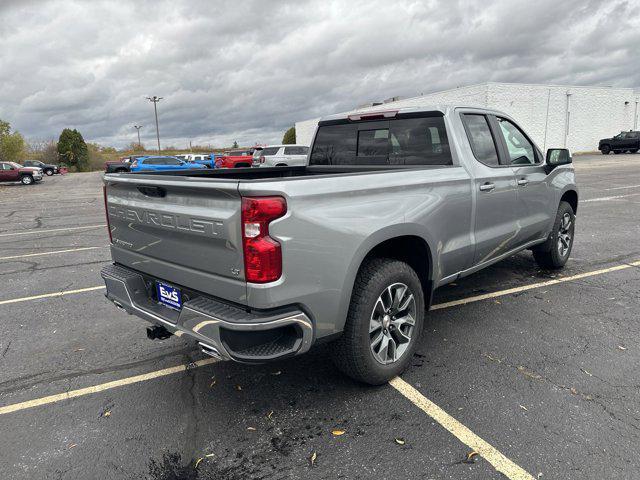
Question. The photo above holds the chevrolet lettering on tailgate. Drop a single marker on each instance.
(167, 220)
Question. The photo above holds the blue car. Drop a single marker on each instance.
(162, 163)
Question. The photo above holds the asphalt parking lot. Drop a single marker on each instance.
(539, 372)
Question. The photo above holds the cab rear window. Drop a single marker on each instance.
(402, 141)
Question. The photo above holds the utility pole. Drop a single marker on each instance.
(138, 127)
(155, 101)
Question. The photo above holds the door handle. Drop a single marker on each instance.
(487, 187)
(523, 182)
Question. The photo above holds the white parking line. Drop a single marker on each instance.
(501, 463)
(27, 255)
(608, 199)
(622, 188)
(103, 386)
(36, 231)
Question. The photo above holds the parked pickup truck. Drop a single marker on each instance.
(235, 159)
(120, 166)
(260, 264)
(14, 172)
(623, 142)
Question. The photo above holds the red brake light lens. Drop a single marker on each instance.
(106, 212)
(262, 254)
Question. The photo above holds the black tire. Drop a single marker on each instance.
(27, 180)
(606, 149)
(549, 255)
(48, 172)
(353, 353)
(635, 150)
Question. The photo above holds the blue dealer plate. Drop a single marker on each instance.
(169, 296)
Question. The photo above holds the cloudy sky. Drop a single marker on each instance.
(247, 70)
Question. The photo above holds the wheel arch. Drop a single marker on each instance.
(400, 242)
(571, 197)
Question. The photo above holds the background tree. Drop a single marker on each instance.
(289, 136)
(12, 145)
(73, 149)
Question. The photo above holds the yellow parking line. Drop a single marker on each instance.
(80, 249)
(501, 463)
(35, 231)
(104, 386)
(51, 295)
(547, 283)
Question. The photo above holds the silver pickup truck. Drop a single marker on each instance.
(261, 264)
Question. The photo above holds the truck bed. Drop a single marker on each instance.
(266, 173)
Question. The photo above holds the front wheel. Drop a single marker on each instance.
(605, 149)
(26, 179)
(555, 252)
(48, 172)
(384, 322)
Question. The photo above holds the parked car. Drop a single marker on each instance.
(235, 159)
(120, 166)
(259, 264)
(14, 172)
(623, 142)
(281, 156)
(206, 159)
(48, 169)
(162, 163)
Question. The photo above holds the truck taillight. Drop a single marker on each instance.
(262, 254)
(106, 212)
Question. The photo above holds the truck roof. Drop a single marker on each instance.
(444, 109)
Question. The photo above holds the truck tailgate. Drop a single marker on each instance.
(179, 229)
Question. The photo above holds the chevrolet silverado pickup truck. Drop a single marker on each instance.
(258, 264)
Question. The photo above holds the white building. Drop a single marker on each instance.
(554, 115)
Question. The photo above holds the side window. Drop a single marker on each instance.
(480, 139)
(295, 150)
(171, 161)
(521, 150)
(419, 141)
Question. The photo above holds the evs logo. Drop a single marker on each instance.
(169, 296)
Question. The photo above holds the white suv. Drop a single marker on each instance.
(281, 156)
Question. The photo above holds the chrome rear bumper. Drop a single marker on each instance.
(223, 331)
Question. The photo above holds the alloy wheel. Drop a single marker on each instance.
(565, 235)
(392, 323)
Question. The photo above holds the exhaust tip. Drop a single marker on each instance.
(210, 351)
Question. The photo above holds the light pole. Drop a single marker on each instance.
(138, 127)
(155, 101)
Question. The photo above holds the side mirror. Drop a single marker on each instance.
(557, 157)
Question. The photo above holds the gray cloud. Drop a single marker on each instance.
(245, 71)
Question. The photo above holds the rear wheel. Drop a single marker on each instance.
(606, 149)
(48, 172)
(635, 150)
(384, 322)
(26, 180)
(555, 252)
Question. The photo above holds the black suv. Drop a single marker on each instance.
(46, 168)
(623, 142)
